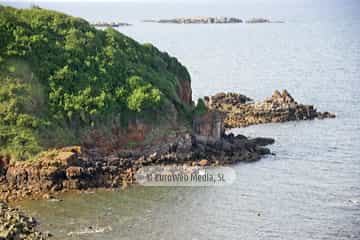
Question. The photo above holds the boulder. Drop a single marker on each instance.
(203, 162)
(262, 141)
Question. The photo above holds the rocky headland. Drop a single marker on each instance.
(241, 111)
(78, 168)
(127, 107)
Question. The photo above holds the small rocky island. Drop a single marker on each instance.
(110, 24)
(261, 20)
(211, 20)
(241, 111)
(198, 20)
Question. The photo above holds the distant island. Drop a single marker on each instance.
(211, 20)
(197, 20)
(262, 20)
(110, 24)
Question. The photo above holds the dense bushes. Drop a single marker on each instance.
(59, 76)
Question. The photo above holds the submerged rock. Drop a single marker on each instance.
(280, 107)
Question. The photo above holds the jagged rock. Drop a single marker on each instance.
(226, 98)
(280, 107)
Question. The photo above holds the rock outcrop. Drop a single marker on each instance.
(15, 225)
(76, 168)
(280, 107)
(209, 127)
(220, 99)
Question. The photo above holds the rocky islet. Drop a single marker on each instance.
(242, 111)
(211, 20)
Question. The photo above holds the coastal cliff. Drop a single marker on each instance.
(123, 105)
(64, 81)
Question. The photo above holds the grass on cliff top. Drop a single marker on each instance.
(60, 78)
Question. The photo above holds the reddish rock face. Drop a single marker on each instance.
(184, 91)
(119, 138)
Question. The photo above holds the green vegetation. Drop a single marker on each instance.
(60, 78)
(200, 108)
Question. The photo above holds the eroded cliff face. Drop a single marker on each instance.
(184, 91)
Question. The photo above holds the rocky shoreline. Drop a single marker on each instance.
(86, 167)
(16, 225)
(241, 111)
(81, 168)
(77, 168)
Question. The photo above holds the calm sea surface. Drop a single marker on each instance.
(309, 190)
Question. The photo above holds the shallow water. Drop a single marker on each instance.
(309, 190)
